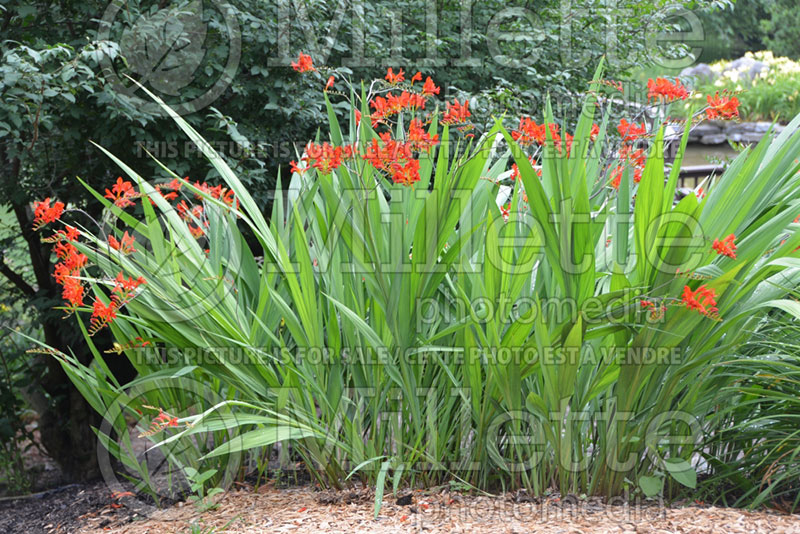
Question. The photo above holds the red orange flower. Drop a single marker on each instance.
(121, 193)
(187, 212)
(329, 84)
(44, 213)
(429, 89)
(616, 176)
(303, 64)
(173, 187)
(701, 299)
(70, 234)
(631, 131)
(65, 250)
(393, 104)
(102, 314)
(420, 139)
(504, 211)
(725, 107)
(456, 113)
(72, 292)
(663, 89)
(393, 78)
(406, 173)
(125, 288)
(726, 247)
(382, 156)
(529, 132)
(396, 158)
(196, 231)
(125, 245)
(295, 169)
(160, 423)
(217, 192)
(327, 158)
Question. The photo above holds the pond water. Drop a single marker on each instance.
(699, 154)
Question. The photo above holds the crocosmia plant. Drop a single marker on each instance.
(534, 306)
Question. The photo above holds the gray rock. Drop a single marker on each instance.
(700, 72)
(759, 128)
(713, 139)
(705, 128)
(743, 63)
(749, 137)
(748, 66)
(757, 68)
(738, 128)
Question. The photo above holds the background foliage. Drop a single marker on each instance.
(748, 26)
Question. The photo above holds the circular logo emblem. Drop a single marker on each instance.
(172, 51)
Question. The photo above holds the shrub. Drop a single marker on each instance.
(526, 307)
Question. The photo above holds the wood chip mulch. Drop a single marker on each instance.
(306, 510)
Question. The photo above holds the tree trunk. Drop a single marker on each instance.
(66, 423)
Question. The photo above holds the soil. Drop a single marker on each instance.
(90, 509)
(307, 510)
(52, 504)
(61, 510)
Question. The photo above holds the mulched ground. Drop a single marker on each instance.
(62, 510)
(306, 510)
(91, 509)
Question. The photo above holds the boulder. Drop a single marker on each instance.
(700, 72)
(746, 66)
(737, 128)
(757, 68)
(714, 139)
(743, 63)
(746, 137)
(759, 128)
(705, 128)
(762, 127)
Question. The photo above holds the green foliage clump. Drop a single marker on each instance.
(429, 305)
(755, 452)
(59, 75)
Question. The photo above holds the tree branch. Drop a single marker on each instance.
(39, 258)
(15, 278)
